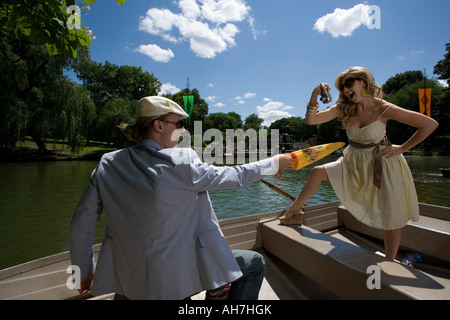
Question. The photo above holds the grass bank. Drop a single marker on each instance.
(27, 151)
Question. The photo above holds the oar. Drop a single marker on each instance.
(284, 193)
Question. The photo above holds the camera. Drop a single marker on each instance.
(325, 96)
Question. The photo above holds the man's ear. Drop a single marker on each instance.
(157, 125)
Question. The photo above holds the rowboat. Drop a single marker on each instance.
(331, 256)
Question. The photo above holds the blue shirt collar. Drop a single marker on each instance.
(150, 143)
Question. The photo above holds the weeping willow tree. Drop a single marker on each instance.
(37, 39)
(37, 99)
(71, 113)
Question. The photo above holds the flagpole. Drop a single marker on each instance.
(425, 89)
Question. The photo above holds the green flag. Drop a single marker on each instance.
(188, 105)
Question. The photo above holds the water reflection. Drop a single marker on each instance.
(431, 186)
(259, 198)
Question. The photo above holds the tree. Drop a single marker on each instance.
(408, 98)
(107, 81)
(253, 122)
(400, 80)
(296, 127)
(36, 40)
(223, 121)
(331, 131)
(442, 68)
(199, 110)
(116, 111)
(28, 78)
(55, 24)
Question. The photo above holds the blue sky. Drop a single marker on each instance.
(266, 56)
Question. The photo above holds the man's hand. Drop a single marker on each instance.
(86, 284)
(282, 162)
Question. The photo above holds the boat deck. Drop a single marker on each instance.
(326, 258)
(275, 286)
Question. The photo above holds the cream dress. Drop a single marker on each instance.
(389, 207)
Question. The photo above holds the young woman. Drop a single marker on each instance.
(372, 179)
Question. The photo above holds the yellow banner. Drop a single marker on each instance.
(425, 101)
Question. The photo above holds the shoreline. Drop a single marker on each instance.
(25, 154)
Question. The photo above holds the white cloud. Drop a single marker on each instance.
(168, 88)
(212, 99)
(255, 32)
(342, 22)
(210, 85)
(208, 25)
(222, 11)
(249, 95)
(189, 8)
(272, 111)
(414, 54)
(417, 53)
(159, 22)
(155, 52)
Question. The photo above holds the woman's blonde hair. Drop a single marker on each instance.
(346, 107)
(135, 132)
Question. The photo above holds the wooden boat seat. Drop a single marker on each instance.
(341, 267)
(429, 236)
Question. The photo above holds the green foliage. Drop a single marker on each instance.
(253, 122)
(401, 80)
(223, 121)
(199, 110)
(296, 127)
(28, 77)
(442, 67)
(115, 111)
(38, 39)
(444, 145)
(407, 97)
(107, 81)
(47, 22)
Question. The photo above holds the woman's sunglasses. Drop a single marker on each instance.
(179, 124)
(348, 83)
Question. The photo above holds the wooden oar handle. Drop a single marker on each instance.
(284, 193)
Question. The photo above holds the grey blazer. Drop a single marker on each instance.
(162, 238)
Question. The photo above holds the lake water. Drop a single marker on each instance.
(37, 201)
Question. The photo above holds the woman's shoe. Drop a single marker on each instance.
(296, 219)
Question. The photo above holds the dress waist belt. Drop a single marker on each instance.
(378, 168)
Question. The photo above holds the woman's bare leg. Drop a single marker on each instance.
(318, 175)
(392, 240)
